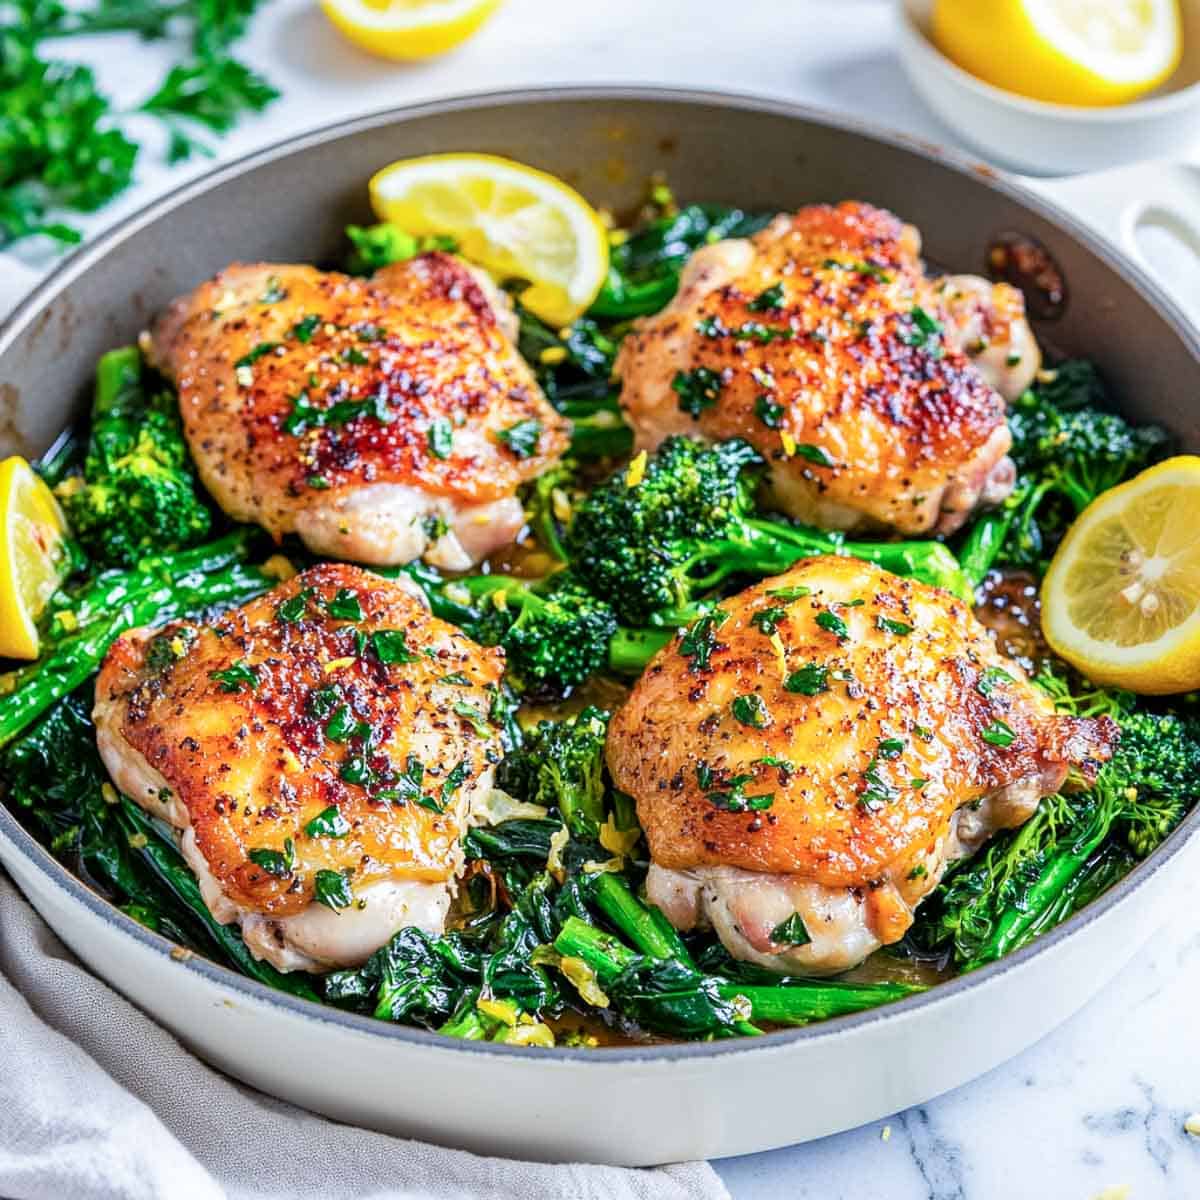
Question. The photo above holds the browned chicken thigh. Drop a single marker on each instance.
(822, 343)
(825, 749)
(319, 751)
(379, 419)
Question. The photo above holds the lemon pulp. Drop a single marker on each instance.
(1121, 600)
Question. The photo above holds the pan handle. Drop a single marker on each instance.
(1150, 210)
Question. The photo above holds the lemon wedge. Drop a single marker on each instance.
(1121, 601)
(515, 221)
(1087, 53)
(31, 555)
(408, 29)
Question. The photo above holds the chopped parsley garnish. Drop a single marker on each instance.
(891, 748)
(343, 725)
(408, 786)
(344, 606)
(371, 333)
(918, 872)
(810, 680)
(248, 360)
(523, 437)
(991, 679)
(434, 526)
(924, 733)
(768, 299)
(355, 357)
(391, 646)
(697, 390)
(700, 640)
(751, 710)
(473, 717)
(728, 792)
(278, 863)
(783, 765)
(355, 769)
(712, 327)
(888, 625)
(791, 932)
(294, 607)
(305, 415)
(917, 782)
(756, 331)
(769, 412)
(328, 823)
(318, 483)
(322, 702)
(457, 777)
(332, 889)
(792, 593)
(813, 454)
(925, 332)
(440, 436)
(833, 623)
(457, 678)
(234, 679)
(999, 734)
(274, 292)
(304, 329)
(859, 268)
(766, 620)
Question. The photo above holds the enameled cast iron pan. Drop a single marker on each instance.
(642, 1105)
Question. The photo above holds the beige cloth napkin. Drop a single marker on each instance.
(98, 1102)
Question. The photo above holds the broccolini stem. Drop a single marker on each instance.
(644, 926)
(781, 1004)
(72, 659)
(631, 649)
(118, 373)
(1019, 924)
(800, 1003)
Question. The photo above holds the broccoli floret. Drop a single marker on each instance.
(555, 633)
(1158, 761)
(657, 537)
(561, 765)
(137, 493)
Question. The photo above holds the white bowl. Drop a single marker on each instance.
(1054, 139)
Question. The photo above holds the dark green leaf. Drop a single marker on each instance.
(329, 823)
(332, 889)
(791, 932)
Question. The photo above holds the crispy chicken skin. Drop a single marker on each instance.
(850, 734)
(817, 342)
(364, 415)
(239, 733)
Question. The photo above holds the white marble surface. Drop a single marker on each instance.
(1101, 1103)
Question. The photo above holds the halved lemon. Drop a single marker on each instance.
(408, 29)
(1121, 601)
(513, 220)
(1082, 52)
(31, 555)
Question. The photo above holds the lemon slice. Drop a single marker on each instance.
(517, 222)
(31, 555)
(408, 29)
(1081, 52)
(1121, 601)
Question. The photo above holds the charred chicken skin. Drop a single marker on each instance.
(319, 751)
(822, 343)
(807, 761)
(380, 419)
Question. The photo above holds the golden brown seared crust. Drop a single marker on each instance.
(843, 767)
(375, 364)
(254, 765)
(838, 366)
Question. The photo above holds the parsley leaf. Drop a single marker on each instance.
(697, 390)
(440, 437)
(235, 678)
(328, 823)
(332, 889)
(281, 864)
(791, 932)
(751, 710)
(523, 437)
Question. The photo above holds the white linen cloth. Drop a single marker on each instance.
(97, 1102)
